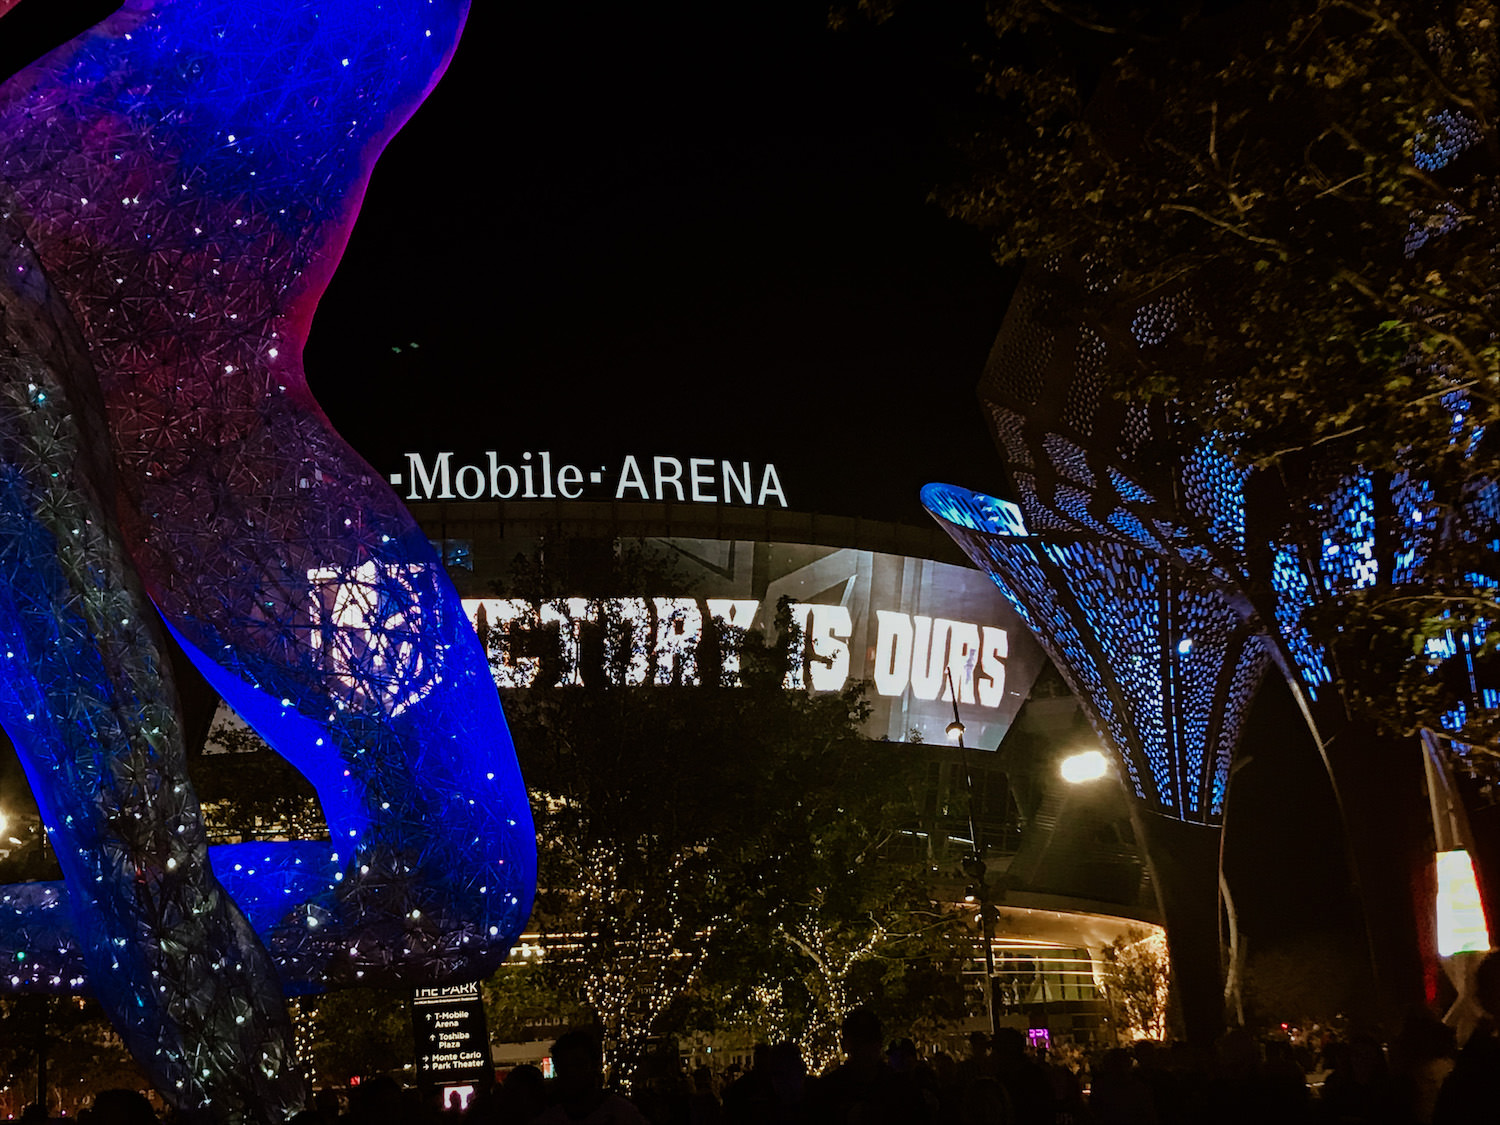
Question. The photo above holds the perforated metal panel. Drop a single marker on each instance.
(1163, 666)
(1121, 472)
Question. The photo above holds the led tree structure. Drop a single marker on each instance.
(1165, 670)
(1086, 466)
(178, 184)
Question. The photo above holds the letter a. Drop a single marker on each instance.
(770, 485)
(630, 477)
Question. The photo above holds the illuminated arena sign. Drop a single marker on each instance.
(692, 480)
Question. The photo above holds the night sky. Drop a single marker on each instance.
(678, 229)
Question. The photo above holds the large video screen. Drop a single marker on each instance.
(906, 626)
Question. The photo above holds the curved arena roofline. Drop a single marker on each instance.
(534, 519)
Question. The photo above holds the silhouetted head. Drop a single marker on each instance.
(862, 1034)
(1010, 1044)
(525, 1077)
(523, 1094)
(578, 1063)
(788, 1071)
(377, 1100)
(760, 1054)
(902, 1054)
(1117, 1061)
(121, 1107)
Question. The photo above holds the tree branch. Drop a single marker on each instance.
(1384, 24)
(1276, 244)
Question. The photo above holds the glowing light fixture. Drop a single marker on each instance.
(1089, 765)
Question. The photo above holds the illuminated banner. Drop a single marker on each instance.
(902, 625)
(1460, 911)
(665, 636)
(691, 480)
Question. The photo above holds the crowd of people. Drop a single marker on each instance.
(1421, 1077)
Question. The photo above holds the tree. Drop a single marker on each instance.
(358, 1032)
(1137, 980)
(1305, 189)
(70, 1041)
(522, 1004)
(716, 835)
(839, 910)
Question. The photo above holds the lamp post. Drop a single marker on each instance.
(973, 865)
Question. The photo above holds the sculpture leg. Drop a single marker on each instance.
(87, 697)
(347, 649)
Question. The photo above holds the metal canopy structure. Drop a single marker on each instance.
(1138, 547)
(1165, 667)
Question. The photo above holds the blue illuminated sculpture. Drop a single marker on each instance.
(176, 187)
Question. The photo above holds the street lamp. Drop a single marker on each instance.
(1085, 766)
(973, 865)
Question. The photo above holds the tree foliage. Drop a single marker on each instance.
(1307, 188)
(1317, 173)
(79, 1050)
(837, 908)
(357, 1032)
(1137, 980)
(720, 841)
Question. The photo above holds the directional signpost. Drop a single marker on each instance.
(453, 1041)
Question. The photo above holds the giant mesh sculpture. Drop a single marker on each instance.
(176, 186)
